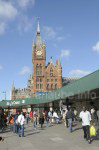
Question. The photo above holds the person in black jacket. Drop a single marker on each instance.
(70, 118)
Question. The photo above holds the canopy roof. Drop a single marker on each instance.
(87, 83)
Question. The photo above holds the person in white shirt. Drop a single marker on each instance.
(50, 116)
(56, 117)
(21, 124)
(86, 118)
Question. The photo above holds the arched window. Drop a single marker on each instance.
(51, 72)
(40, 69)
(37, 86)
(47, 86)
(37, 69)
(51, 86)
(55, 86)
(41, 86)
(37, 79)
(40, 79)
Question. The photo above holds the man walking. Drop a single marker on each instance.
(86, 118)
(70, 118)
(21, 124)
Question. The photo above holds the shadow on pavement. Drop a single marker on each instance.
(32, 133)
(76, 129)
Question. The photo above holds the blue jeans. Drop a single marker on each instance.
(46, 123)
(34, 124)
(21, 130)
(70, 124)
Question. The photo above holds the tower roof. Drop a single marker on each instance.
(38, 37)
(38, 27)
(13, 87)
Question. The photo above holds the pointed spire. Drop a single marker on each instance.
(38, 37)
(51, 60)
(13, 86)
(58, 63)
(38, 27)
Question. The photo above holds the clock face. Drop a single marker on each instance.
(39, 53)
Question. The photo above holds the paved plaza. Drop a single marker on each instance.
(55, 137)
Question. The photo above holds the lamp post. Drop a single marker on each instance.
(5, 94)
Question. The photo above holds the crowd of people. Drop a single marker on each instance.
(38, 118)
(89, 119)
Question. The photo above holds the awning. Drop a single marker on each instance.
(87, 83)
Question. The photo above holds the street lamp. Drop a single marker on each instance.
(5, 94)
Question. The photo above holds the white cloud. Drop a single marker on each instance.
(49, 32)
(7, 10)
(78, 73)
(25, 24)
(2, 28)
(64, 53)
(25, 3)
(25, 70)
(1, 67)
(96, 47)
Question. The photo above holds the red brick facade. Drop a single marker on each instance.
(44, 78)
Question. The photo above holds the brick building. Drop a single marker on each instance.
(45, 78)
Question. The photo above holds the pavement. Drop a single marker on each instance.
(56, 137)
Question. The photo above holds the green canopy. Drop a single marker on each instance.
(87, 83)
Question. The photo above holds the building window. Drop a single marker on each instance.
(40, 79)
(41, 86)
(55, 80)
(37, 86)
(51, 80)
(48, 80)
(51, 72)
(55, 86)
(37, 79)
(47, 86)
(38, 70)
(51, 86)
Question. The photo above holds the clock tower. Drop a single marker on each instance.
(45, 77)
(39, 62)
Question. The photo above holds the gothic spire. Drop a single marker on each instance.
(38, 27)
(51, 60)
(38, 37)
(13, 86)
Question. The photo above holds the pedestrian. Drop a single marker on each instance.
(12, 122)
(86, 118)
(46, 118)
(70, 118)
(41, 119)
(35, 120)
(56, 117)
(95, 118)
(98, 116)
(92, 113)
(21, 124)
(75, 114)
(31, 116)
(16, 123)
(1, 138)
(50, 117)
(27, 118)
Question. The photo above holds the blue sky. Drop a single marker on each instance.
(70, 29)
